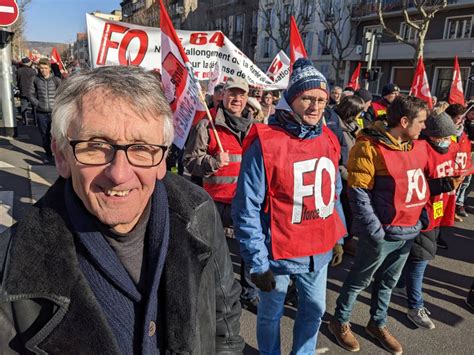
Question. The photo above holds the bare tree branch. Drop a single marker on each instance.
(425, 11)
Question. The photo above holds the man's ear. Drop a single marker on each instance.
(404, 122)
(62, 165)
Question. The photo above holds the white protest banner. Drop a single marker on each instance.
(279, 70)
(110, 41)
(181, 88)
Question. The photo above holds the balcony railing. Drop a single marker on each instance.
(369, 7)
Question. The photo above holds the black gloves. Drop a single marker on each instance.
(264, 281)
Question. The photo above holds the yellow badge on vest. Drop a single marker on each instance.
(438, 209)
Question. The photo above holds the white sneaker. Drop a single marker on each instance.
(420, 318)
(400, 291)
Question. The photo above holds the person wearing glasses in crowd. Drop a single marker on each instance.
(220, 169)
(117, 257)
(287, 213)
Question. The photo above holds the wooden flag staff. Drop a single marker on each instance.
(209, 117)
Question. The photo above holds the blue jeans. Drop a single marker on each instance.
(461, 194)
(311, 307)
(382, 260)
(412, 279)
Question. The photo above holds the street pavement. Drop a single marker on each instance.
(24, 179)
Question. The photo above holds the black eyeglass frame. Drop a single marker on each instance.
(117, 147)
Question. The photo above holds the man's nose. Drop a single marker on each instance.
(120, 170)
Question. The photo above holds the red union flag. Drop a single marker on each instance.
(279, 70)
(56, 59)
(355, 81)
(456, 93)
(297, 50)
(180, 86)
(420, 87)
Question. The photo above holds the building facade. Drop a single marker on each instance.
(115, 15)
(451, 33)
(80, 49)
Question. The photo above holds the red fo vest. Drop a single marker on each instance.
(301, 177)
(411, 188)
(441, 207)
(463, 156)
(223, 183)
(380, 109)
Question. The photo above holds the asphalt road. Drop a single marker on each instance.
(445, 287)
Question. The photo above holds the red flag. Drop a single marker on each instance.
(297, 50)
(56, 59)
(456, 94)
(420, 87)
(180, 86)
(355, 81)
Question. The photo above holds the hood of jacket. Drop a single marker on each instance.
(378, 133)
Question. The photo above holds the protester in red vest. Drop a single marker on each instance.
(378, 110)
(387, 191)
(220, 170)
(287, 213)
(463, 158)
(442, 183)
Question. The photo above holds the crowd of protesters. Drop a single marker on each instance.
(299, 177)
(390, 224)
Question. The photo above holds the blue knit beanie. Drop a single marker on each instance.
(304, 77)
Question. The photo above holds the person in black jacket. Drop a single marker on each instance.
(437, 134)
(24, 78)
(117, 257)
(42, 94)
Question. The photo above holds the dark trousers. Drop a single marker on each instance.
(24, 102)
(44, 126)
(249, 290)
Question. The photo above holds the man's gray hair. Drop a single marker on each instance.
(141, 89)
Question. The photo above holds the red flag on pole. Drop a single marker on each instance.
(420, 87)
(56, 59)
(181, 88)
(355, 81)
(297, 49)
(456, 93)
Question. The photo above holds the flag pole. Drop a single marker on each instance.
(209, 117)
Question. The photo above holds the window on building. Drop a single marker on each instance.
(254, 20)
(326, 45)
(409, 33)
(403, 77)
(239, 23)
(307, 38)
(306, 9)
(286, 14)
(230, 23)
(266, 47)
(444, 79)
(458, 27)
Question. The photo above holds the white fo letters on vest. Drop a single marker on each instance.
(300, 191)
(414, 177)
(461, 160)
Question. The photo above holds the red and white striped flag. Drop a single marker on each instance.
(420, 87)
(355, 79)
(180, 85)
(297, 49)
(456, 93)
(56, 59)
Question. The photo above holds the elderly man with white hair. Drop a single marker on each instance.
(117, 257)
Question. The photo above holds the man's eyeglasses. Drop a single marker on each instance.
(313, 101)
(100, 153)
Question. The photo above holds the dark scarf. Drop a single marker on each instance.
(293, 123)
(127, 311)
(238, 124)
